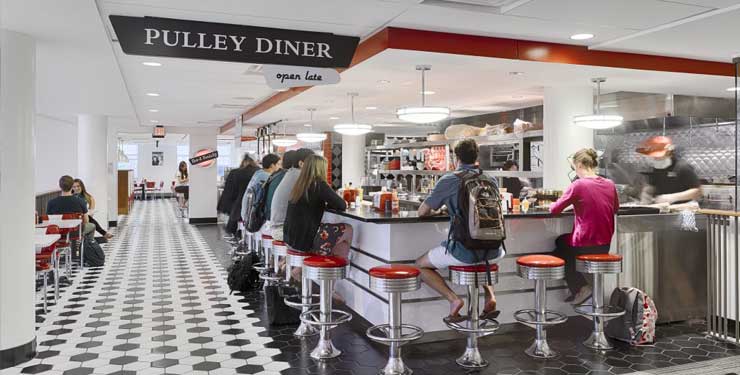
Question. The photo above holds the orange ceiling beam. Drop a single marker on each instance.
(514, 49)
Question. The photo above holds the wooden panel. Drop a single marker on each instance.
(125, 193)
(456, 44)
(44, 198)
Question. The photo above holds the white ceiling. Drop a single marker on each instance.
(81, 70)
(468, 85)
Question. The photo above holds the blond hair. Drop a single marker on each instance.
(587, 157)
(314, 170)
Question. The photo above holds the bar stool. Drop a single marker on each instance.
(473, 276)
(598, 265)
(305, 300)
(266, 245)
(325, 270)
(271, 267)
(540, 268)
(279, 249)
(394, 279)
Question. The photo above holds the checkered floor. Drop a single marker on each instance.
(160, 305)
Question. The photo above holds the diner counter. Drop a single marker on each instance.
(645, 239)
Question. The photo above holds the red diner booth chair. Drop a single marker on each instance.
(47, 260)
(150, 188)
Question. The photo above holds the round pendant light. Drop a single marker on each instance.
(597, 120)
(311, 137)
(352, 128)
(284, 141)
(423, 114)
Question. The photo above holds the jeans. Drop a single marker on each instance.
(563, 250)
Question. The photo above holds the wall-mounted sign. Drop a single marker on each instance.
(204, 158)
(167, 37)
(158, 132)
(281, 77)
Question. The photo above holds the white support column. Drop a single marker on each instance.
(112, 169)
(561, 137)
(353, 162)
(17, 202)
(92, 161)
(203, 192)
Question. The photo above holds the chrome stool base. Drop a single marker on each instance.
(472, 359)
(324, 350)
(541, 349)
(598, 341)
(395, 366)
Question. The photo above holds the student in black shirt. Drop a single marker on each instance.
(671, 180)
(68, 203)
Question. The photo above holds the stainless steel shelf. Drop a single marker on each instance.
(482, 141)
(520, 174)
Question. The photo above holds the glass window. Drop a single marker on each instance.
(224, 156)
(183, 152)
(132, 153)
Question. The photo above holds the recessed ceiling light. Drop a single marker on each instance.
(517, 97)
(583, 36)
(154, 110)
(333, 118)
(281, 90)
(370, 107)
(428, 92)
(516, 73)
(152, 94)
(733, 89)
(307, 125)
(384, 81)
(151, 63)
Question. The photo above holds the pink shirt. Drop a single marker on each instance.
(595, 203)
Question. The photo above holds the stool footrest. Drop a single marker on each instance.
(529, 317)
(485, 326)
(383, 330)
(607, 311)
(337, 317)
(296, 301)
(271, 276)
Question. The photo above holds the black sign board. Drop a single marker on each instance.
(167, 37)
(203, 158)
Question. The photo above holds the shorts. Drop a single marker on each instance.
(328, 236)
(441, 259)
(276, 232)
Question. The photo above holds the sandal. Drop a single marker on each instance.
(456, 318)
(490, 315)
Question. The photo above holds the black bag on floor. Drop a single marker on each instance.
(94, 255)
(242, 275)
(278, 313)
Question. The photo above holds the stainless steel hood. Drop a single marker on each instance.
(643, 111)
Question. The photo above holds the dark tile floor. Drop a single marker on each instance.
(676, 344)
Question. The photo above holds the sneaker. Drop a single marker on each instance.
(582, 295)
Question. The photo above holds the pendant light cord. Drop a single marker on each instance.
(423, 87)
(598, 95)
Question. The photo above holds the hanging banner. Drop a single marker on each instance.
(282, 77)
(167, 37)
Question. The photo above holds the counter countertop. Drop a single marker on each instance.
(370, 215)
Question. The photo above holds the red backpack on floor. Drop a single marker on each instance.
(637, 325)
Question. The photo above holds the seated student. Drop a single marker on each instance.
(276, 178)
(270, 163)
(279, 205)
(79, 190)
(182, 183)
(445, 193)
(239, 180)
(70, 204)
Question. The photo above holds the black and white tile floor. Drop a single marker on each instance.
(160, 305)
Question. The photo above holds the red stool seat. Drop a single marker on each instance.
(266, 237)
(321, 261)
(300, 253)
(599, 257)
(540, 261)
(278, 243)
(474, 268)
(395, 272)
(43, 267)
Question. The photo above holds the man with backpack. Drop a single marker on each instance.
(467, 192)
(270, 163)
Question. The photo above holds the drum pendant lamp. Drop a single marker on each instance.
(423, 114)
(311, 137)
(352, 128)
(284, 141)
(597, 120)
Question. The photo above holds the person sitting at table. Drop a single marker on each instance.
(270, 164)
(453, 253)
(182, 183)
(67, 203)
(310, 197)
(79, 190)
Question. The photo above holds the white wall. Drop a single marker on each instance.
(164, 172)
(203, 195)
(55, 151)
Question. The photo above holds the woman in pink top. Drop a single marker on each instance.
(595, 202)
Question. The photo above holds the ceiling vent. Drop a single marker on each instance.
(228, 106)
(253, 69)
(486, 6)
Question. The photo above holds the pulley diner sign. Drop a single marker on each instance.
(167, 37)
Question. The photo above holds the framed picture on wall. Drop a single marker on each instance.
(157, 158)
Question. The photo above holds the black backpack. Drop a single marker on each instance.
(242, 275)
(93, 255)
(257, 204)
